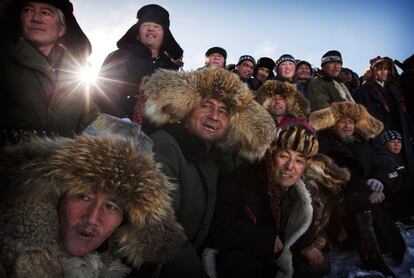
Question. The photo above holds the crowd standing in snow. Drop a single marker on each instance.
(253, 169)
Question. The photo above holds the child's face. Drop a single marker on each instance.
(394, 146)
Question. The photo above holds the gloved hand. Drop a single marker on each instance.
(375, 185)
(376, 197)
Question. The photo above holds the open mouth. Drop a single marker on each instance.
(210, 127)
(85, 234)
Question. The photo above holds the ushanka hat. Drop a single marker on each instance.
(159, 15)
(388, 135)
(74, 40)
(44, 170)
(171, 96)
(296, 104)
(331, 56)
(365, 124)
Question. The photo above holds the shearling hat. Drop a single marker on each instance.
(159, 15)
(296, 137)
(365, 124)
(388, 135)
(74, 40)
(217, 49)
(248, 58)
(44, 170)
(266, 62)
(331, 56)
(283, 58)
(171, 96)
(296, 104)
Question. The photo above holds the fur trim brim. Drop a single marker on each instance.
(365, 124)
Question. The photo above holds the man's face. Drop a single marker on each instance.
(277, 107)
(394, 146)
(245, 69)
(290, 166)
(381, 74)
(209, 121)
(41, 25)
(215, 60)
(345, 127)
(332, 69)
(287, 70)
(303, 72)
(345, 76)
(151, 35)
(86, 221)
(262, 74)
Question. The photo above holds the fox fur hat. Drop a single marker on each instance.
(365, 125)
(171, 96)
(296, 104)
(39, 172)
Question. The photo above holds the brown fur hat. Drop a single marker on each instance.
(365, 124)
(296, 104)
(45, 169)
(171, 95)
(296, 137)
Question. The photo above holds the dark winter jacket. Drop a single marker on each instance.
(243, 218)
(186, 161)
(385, 105)
(322, 91)
(37, 94)
(394, 172)
(121, 75)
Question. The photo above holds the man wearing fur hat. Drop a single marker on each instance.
(344, 131)
(147, 46)
(201, 112)
(40, 87)
(283, 102)
(383, 99)
(262, 72)
(325, 87)
(263, 208)
(84, 207)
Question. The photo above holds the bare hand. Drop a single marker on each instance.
(314, 256)
(278, 245)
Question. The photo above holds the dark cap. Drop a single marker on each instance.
(266, 62)
(283, 58)
(217, 49)
(331, 56)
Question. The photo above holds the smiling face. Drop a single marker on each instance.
(287, 70)
(151, 34)
(277, 107)
(41, 25)
(209, 121)
(345, 127)
(245, 69)
(86, 221)
(289, 167)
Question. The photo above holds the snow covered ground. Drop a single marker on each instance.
(345, 264)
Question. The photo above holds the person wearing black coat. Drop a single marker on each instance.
(343, 132)
(148, 45)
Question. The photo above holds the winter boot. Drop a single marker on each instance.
(371, 257)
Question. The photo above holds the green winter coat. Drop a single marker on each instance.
(34, 94)
(185, 160)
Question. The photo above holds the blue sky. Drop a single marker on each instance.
(360, 30)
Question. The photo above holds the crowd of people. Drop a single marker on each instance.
(254, 169)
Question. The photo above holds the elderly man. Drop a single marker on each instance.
(216, 57)
(258, 216)
(344, 131)
(325, 88)
(40, 85)
(147, 46)
(200, 112)
(84, 207)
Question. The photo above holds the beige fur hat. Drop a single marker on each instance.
(296, 104)
(171, 95)
(365, 124)
(41, 171)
